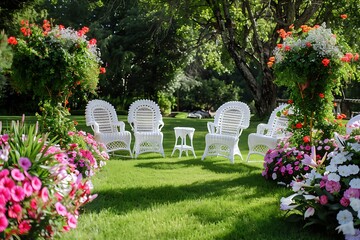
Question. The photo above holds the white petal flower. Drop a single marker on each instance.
(346, 228)
(354, 169)
(344, 171)
(274, 176)
(355, 146)
(331, 168)
(296, 186)
(309, 212)
(355, 183)
(286, 202)
(333, 177)
(344, 216)
(339, 158)
(355, 204)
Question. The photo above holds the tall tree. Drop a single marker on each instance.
(248, 30)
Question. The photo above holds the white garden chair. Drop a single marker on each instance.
(102, 118)
(269, 134)
(352, 124)
(146, 122)
(223, 137)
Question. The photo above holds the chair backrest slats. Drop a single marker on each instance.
(103, 113)
(145, 116)
(231, 117)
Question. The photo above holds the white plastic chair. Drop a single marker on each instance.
(146, 122)
(102, 118)
(269, 134)
(353, 123)
(223, 137)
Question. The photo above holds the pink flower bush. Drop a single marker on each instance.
(332, 190)
(42, 198)
(285, 163)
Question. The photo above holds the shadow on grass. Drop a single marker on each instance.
(219, 165)
(122, 200)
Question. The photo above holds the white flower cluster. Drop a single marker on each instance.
(322, 40)
(68, 37)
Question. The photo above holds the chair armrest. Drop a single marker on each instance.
(161, 124)
(211, 127)
(262, 128)
(94, 126)
(120, 125)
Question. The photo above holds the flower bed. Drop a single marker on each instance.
(285, 163)
(330, 193)
(42, 187)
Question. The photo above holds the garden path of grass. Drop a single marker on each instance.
(185, 198)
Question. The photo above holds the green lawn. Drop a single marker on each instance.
(185, 198)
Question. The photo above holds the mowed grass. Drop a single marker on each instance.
(185, 198)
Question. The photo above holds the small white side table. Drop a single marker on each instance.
(181, 133)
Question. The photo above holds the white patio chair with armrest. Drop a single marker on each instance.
(230, 120)
(146, 123)
(268, 135)
(102, 118)
(352, 124)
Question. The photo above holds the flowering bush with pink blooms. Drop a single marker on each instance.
(329, 194)
(284, 163)
(41, 187)
(86, 153)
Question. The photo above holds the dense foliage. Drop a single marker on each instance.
(54, 62)
(311, 64)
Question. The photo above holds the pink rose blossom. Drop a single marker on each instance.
(306, 168)
(3, 223)
(3, 210)
(61, 157)
(28, 188)
(58, 196)
(344, 201)
(17, 175)
(66, 228)
(17, 194)
(4, 138)
(7, 183)
(352, 193)
(332, 186)
(24, 227)
(36, 183)
(4, 173)
(44, 194)
(2, 200)
(323, 199)
(61, 209)
(5, 192)
(33, 203)
(72, 221)
(15, 211)
(25, 163)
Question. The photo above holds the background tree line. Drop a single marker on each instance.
(184, 54)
